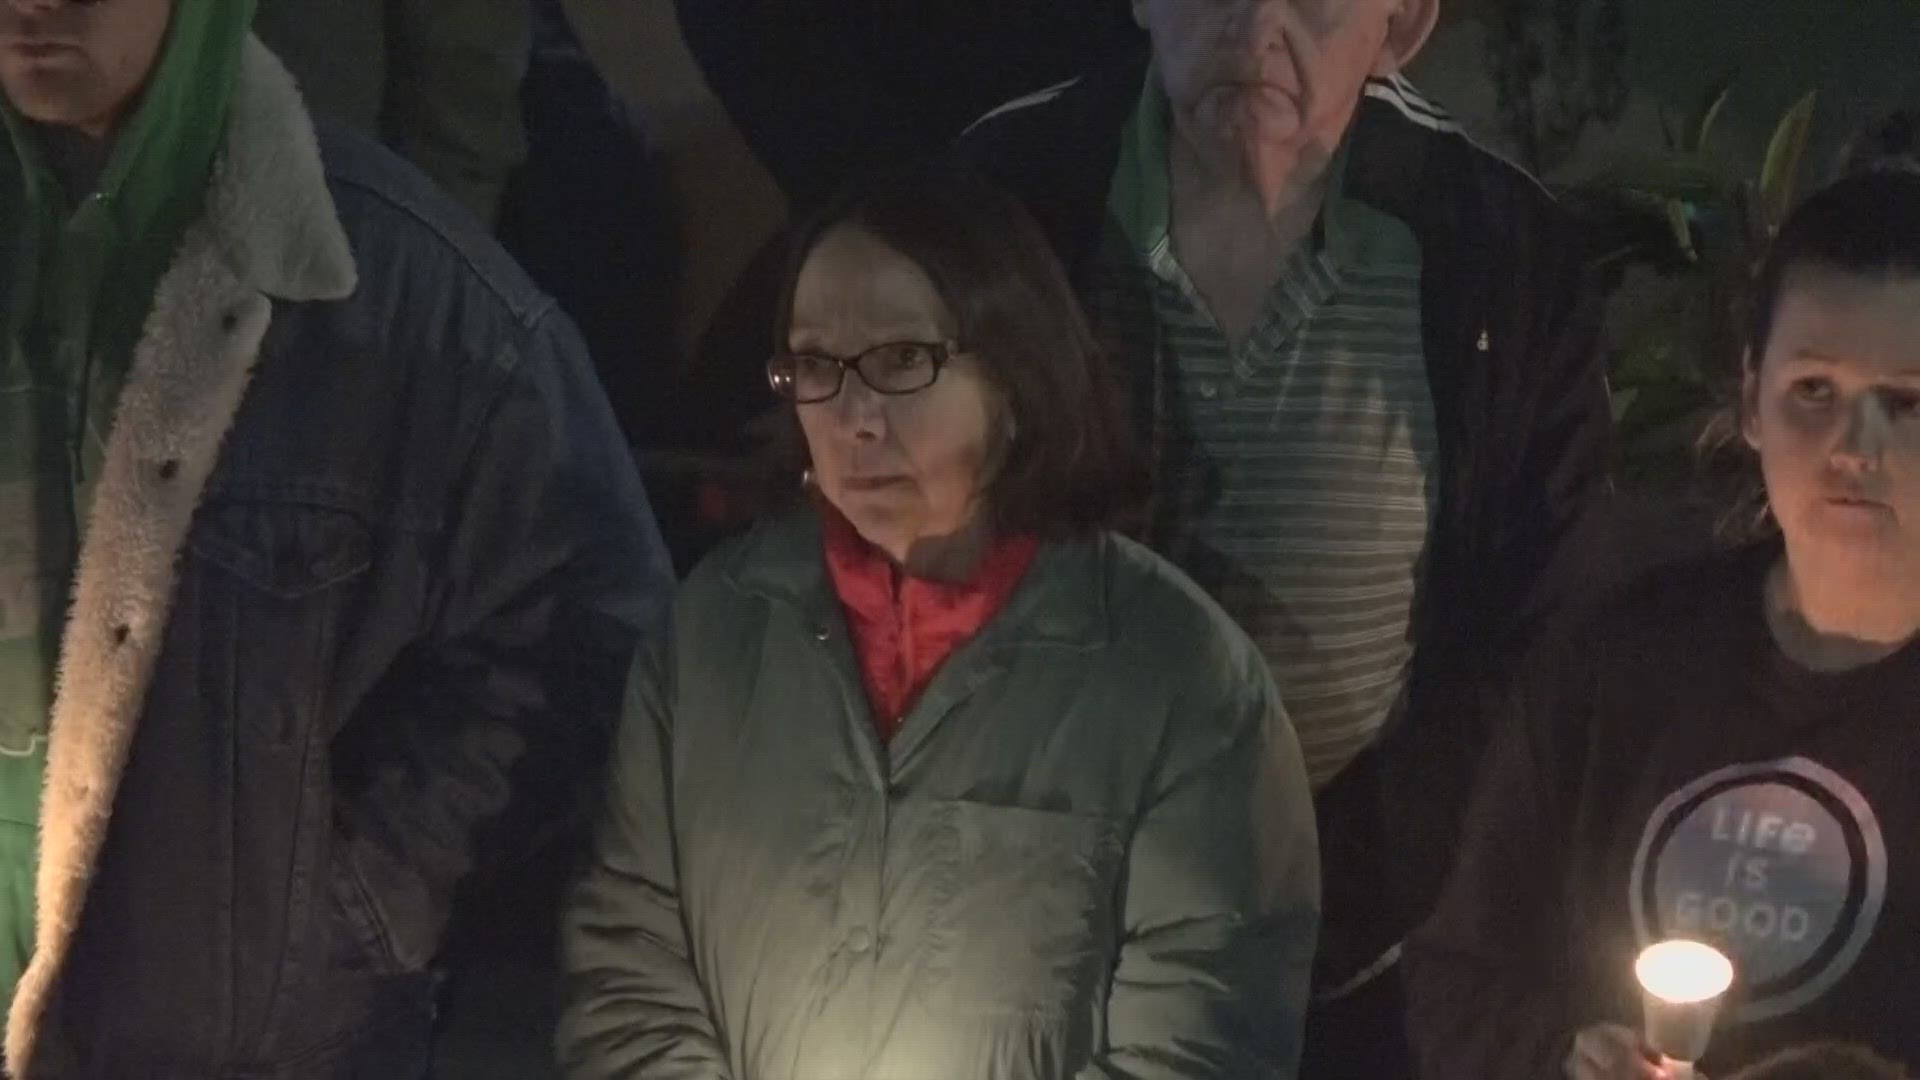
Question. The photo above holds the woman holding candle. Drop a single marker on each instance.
(936, 779)
(1726, 751)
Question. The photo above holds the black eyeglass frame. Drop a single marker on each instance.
(941, 353)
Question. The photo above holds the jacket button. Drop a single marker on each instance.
(860, 941)
(821, 634)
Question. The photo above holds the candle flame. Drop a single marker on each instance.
(1684, 972)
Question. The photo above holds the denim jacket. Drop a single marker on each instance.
(367, 553)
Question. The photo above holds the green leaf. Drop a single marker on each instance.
(1677, 175)
(1782, 163)
(1682, 230)
(1710, 108)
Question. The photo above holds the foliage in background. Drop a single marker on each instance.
(1557, 66)
(1679, 237)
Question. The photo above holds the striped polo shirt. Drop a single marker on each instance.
(1300, 473)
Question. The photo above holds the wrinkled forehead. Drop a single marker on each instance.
(854, 290)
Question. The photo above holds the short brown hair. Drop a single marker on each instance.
(1072, 467)
(1824, 1061)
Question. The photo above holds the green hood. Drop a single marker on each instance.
(82, 281)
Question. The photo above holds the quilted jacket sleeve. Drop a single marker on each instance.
(633, 1003)
(1221, 898)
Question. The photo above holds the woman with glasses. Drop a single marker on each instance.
(936, 777)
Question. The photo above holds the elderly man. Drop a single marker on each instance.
(318, 546)
(1364, 360)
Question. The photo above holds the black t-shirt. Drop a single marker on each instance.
(1668, 772)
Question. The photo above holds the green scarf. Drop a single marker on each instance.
(83, 282)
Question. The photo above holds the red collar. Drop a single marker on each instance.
(904, 627)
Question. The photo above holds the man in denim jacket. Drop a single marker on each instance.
(320, 550)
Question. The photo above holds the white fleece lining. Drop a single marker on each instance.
(269, 230)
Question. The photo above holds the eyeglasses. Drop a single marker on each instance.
(893, 368)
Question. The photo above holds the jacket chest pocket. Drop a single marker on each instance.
(276, 578)
(1032, 915)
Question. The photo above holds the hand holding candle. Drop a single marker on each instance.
(1681, 984)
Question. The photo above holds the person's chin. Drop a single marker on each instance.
(886, 488)
(874, 501)
(1266, 115)
(1858, 539)
(1855, 521)
(1244, 115)
(44, 95)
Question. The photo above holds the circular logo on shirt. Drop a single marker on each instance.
(1780, 865)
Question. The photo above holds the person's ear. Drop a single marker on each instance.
(1409, 26)
(1750, 400)
(1140, 13)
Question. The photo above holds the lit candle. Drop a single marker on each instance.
(1681, 984)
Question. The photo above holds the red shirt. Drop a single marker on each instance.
(905, 627)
